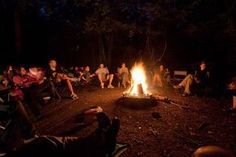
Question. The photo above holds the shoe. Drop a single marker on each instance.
(74, 96)
(177, 87)
(110, 86)
(102, 85)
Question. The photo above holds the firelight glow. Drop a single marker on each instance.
(138, 77)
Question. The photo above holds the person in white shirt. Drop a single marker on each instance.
(103, 76)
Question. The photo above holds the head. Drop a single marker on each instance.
(123, 65)
(23, 71)
(52, 63)
(161, 68)
(211, 151)
(76, 68)
(101, 66)
(203, 66)
(9, 68)
(87, 68)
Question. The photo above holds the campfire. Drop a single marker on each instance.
(138, 96)
(139, 86)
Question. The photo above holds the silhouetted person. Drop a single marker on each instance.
(55, 74)
(200, 79)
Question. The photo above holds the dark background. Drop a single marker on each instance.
(87, 32)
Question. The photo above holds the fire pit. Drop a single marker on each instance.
(138, 95)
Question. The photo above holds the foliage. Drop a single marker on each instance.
(101, 16)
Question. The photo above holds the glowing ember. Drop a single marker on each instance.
(138, 81)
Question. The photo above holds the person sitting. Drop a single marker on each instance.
(6, 78)
(31, 88)
(200, 79)
(55, 74)
(78, 71)
(104, 76)
(86, 75)
(123, 75)
(161, 76)
(9, 72)
(100, 143)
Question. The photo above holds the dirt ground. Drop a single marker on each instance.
(177, 133)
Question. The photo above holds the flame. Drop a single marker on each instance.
(138, 77)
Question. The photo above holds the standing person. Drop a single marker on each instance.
(55, 74)
(200, 78)
(123, 75)
(103, 76)
(161, 76)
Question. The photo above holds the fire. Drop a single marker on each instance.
(139, 85)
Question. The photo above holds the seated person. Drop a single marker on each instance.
(86, 75)
(6, 78)
(104, 76)
(9, 72)
(200, 78)
(4, 83)
(100, 143)
(161, 76)
(78, 71)
(24, 78)
(5, 86)
(123, 75)
(34, 86)
(55, 74)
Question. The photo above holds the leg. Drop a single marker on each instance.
(154, 79)
(70, 87)
(157, 80)
(124, 79)
(100, 78)
(110, 78)
(186, 79)
(188, 85)
(68, 81)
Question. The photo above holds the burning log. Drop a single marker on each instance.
(140, 89)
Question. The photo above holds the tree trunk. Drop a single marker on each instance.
(18, 33)
(109, 44)
(101, 51)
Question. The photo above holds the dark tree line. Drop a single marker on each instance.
(146, 24)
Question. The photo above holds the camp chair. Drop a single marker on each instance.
(179, 75)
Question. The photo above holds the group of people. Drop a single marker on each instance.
(33, 85)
